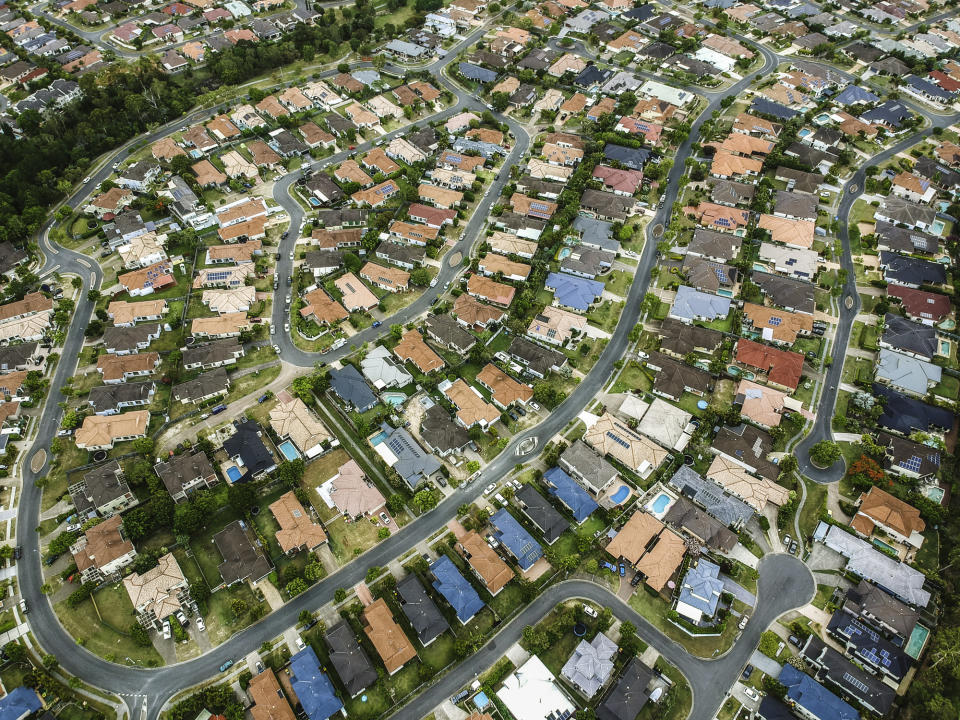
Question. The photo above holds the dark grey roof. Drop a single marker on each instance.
(401, 254)
(14, 356)
(350, 386)
(324, 185)
(811, 157)
(424, 139)
(128, 338)
(328, 260)
(342, 216)
(749, 445)
(862, 51)
(840, 674)
(674, 376)
(420, 610)
(241, 558)
(105, 398)
(905, 240)
(878, 607)
(802, 180)
(629, 695)
(903, 414)
(247, 444)
(731, 192)
(726, 508)
(539, 59)
(712, 243)
(868, 647)
(449, 332)
(796, 204)
(902, 334)
(582, 461)
(632, 158)
(104, 484)
(10, 256)
(786, 292)
(354, 668)
(538, 358)
(541, 513)
(905, 454)
(607, 204)
(707, 275)
(891, 112)
(680, 338)
(691, 519)
(338, 124)
(937, 172)
(212, 352)
(215, 381)
(658, 50)
(440, 432)
(535, 186)
(515, 221)
(768, 107)
(911, 271)
(183, 469)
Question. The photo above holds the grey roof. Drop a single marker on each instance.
(802, 180)
(786, 292)
(420, 610)
(213, 352)
(104, 484)
(836, 671)
(541, 513)
(475, 72)
(882, 609)
(902, 334)
(247, 444)
(796, 204)
(354, 668)
(731, 192)
(400, 253)
(241, 558)
(450, 333)
(106, 398)
(581, 461)
(183, 469)
(591, 664)
(702, 587)
(406, 48)
(712, 243)
(870, 648)
(910, 270)
(539, 359)
(906, 373)
(674, 377)
(129, 338)
(707, 275)
(440, 432)
(10, 256)
(14, 356)
(380, 369)
(349, 385)
(680, 338)
(748, 445)
(694, 521)
(607, 204)
(691, 304)
(726, 508)
(864, 560)
(215, 381)
(539, 59)
(413, 464)
(907, 455)
(323, 260)
(629, 695)
(598, 233)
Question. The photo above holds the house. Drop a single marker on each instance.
(119, 368)
(630, 694)
(292, 420)
(536, 359)
(185, 473)
(248, 455)
(269, 701)
(871, 650)
(646, 544)
(484, 561)
(420, 610)
(607, 206)
(909, 338)
(565, 489)
(102, 490)
(493, 264)
(455, 589)
(759, 404)
(675, 378)
(385, 278)
(797, 263)
(311, 686)
(691, 305)
(811, 700)
(111, 399)
(351, 663)
(350, 387)
(355, 295)
(377, 195)
(719, 217)
(557, 326)
(897, 210)
(906, 373)
(158, 593)
(103, 551)
(404, 455)
(587, 467)
(610, 436)
(223, 326)
(789, 232)
(215, 354)
(573, 292)
(835, 671)
(726, 508)
(700, 592)
(913, 188)
(590, 666)
(441, 434)
(679, 339)
(908, 458)
(446, 331)
(910, 271)
(531, 692)
(895, 519)
(242, 560)
(715, 246)
(387, 637)
(491, 291)
(297, 531)
(353, 494)
(504, 390)
(904, 240)
(783, 369)
(380, 370)
(880, 610)
(412, 348)
(472, 409)
(515, 539)
(99, 432)
(788, 293)
(541, 513)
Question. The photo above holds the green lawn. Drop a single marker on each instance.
(928, 556)
(813, 508)
(251, 383)
(220, 619)
(605, 315)
(632, 377)
(655, 610)
(948, 387)
(618, 282)
(70, 457)
(100, 625)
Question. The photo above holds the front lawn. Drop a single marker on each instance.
(632, 377)
(655, 610)
(605, 315)
(813, 508)
(618, 282)
(948, 387)
(251, 383)
(222, 621)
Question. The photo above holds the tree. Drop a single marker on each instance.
(139, 635)
(825, 453)
(314, 571)
(383, 533)
(305, 617)
(238, 607)
(242, 497)
(424, 500)
(144, 446)
(395, 503)
(49, 661)
(420, 277)
(373, 572)
(15, 651)
(788, 463)
(93, 295)
(296, 586)
(340, 594)
(499, 101)
(199, 591)
(535, 640)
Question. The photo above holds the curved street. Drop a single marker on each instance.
(783, 579)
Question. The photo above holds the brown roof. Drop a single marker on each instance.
(393, 646)
(114, 366)
(104, 544)
(296, 528)
(207, 174)
(272, 107)
(503, 388)
(223, 126)
(472, 409)
(494, 137)
(350, 171)
(313, 134)
(471, 311)
(783, 368)
(253, 228)
(493, 263)
(381, 275)
(784, 325)
(100, 430)
(881, 508)
(798, 233)
(111, 199)
(378, 159)
(631, 542)
(32, 303)
(495, 292)
(269, 702)
(484, 560)
(236, 252)
(413, 348)
(662, 560)
(441, 196)
(324, 308)
(262, 153)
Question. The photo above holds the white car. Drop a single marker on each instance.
(500, 499)
(589, 611)
(300, 644)
(87, 179)
(643, 355)
(276, 349)
(751, 693)
(490, 489)
(384, 518)
(273, 329)
(291, 254)
(286, 327)
(534, 406)
(200, 625)
(182, 618)
(166, 630)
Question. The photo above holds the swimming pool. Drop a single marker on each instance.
(884, 546)
(945, 347)
(660, 503)
(564, 253)
(760, 268)
(233, 474)
(937, 227)
(394, 398)
(289, 450)
(378, 438)
(725, 293)
(620, 495)
(918, 638)
(803, 132)
(935, 493)
(314, 202)
(947, 324)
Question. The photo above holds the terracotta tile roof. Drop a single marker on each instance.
(102, 544)
(356, 295)
(166, 149)
(269, 701)
(798, 233)
(485, 562)
(533, 207)
(32, 303)
(226, 324)
(755, 492)
(113, 199)
(253, 228)
(719, 216)
(472, 409)
(504, 389)
(412, 347)
(471, 311)
(632, 539)
(156, 591)
(661, 562)
(781, 325)
(727, 164)
(100, 430)
(442, 197)
(493, 263)
(494, 137)
(297, 530)
(883, 509)
(236, 252)
(747, 123)
(272, 107)
(207, 174)
(323, 308)
(123, 313)
(389, 278)
(487, 289)
(113, 367)
(782, 367)
(388, 638)
(378, 159)
(352, 493)
(762, 405)
(350, 171)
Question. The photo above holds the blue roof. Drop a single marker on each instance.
(518, 541)
(853, 94)
(349, 384)
(569, 492)
(19, 703)
(455, 589)
(892, 112)
(312, 686)
(702, 587)
(928, 88)
(769, 107)
(814, 697)
(691, 304)
(574, 292)
(905, 414)
(641, 12)
(475, 72)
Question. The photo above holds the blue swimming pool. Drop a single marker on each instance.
(918, 638)
(660, 503)
(620, 495)
(378, 438)
(233, 474)
(394, 398)
(803, 132)
(289, 450)
(314, 202)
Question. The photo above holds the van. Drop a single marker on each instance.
(218, 409)
(499, 498)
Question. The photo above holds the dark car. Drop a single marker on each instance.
(636, 580)
(793, 548)
(226, 666)
(623, 570)
(17, 552)
(377, 323)
(747, 672)
(794, 640)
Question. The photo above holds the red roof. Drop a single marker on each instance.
(431, 215)
(178, 8)
(921, 304)
(945, 81)
(782, 366)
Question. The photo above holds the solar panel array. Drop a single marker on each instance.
(775, 321)
(618, 440)
(721, 275)
(856, 683)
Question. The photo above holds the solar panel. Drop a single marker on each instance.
(775, 321)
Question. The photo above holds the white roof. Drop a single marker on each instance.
(669, 94)
(378, 367)
(531, 693)
(664, 423)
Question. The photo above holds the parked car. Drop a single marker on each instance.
(226, 666)
(534, 406)
(17, 552)
(743, 621)
(623, 570)
(300, 644)
(747, 672)
(166, 631)
(589, 611)
(794, 640)
(786, 541)
(24, 608)
(200, 624)
(286, 327)
(182, 618)
(793, 548)
(377, 323)
(218, 409)
(493, 542)
(259, 667)
(384, 518)
(636, 580)
(489, 490)
(751, 693)
(500, 499)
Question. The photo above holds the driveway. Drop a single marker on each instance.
(738, 591)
